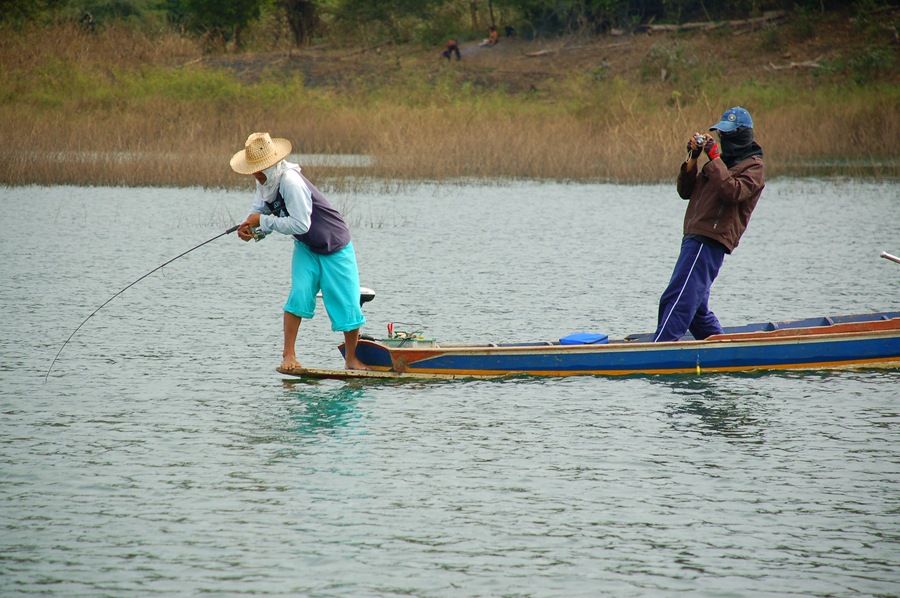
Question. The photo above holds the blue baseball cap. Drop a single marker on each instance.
(733, 119)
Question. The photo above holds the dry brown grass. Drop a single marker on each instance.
(122, 46)
(101, 110)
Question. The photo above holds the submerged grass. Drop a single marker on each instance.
(121, 108)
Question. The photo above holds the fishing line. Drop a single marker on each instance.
(229, 231)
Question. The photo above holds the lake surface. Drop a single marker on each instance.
(163, 454)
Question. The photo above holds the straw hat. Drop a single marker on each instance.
(260, 152)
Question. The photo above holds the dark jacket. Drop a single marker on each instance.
(721, 199)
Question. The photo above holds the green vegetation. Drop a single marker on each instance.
(238, 24)
(136, 98)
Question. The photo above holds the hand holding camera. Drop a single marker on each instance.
(695, 145)
(711, 148)
(700, 143)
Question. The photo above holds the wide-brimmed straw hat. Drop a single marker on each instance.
(260, 152)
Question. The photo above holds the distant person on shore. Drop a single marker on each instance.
(87, 22)
(492, 38)
(452, 48)
(722, 197)
(324, 258)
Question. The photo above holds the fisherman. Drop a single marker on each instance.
(722, 197)
(323, 259)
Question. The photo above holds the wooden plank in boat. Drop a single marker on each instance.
(327, 374)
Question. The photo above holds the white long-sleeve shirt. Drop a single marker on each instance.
(297, 200)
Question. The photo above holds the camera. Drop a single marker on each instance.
(701, 140)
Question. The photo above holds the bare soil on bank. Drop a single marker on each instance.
(779, 49)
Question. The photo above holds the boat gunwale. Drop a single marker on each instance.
(810, 335)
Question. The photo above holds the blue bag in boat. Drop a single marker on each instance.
(585, 338)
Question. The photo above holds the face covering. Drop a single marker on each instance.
(738, 145)
(268, 190)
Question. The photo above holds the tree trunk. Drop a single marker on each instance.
(302, 19)
(707, 26)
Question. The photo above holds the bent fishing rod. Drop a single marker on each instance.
(161, 266)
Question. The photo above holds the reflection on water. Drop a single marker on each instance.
(333, 160)
(727, 405)
(323, 410)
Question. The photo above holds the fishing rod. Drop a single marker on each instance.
(888, 256)
(229, 231)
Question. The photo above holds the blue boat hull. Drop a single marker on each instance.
(849, 341)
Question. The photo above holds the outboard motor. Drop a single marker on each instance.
(365, 295)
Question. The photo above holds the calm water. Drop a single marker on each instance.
(164, 455)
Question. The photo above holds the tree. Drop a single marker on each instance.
(391, 15)
(302, 17)
(568, 16)
(17, 11)
(221, 20)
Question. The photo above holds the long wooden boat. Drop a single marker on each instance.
(850, 341)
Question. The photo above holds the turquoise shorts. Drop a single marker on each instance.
(336, 275)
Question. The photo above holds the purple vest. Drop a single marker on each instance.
(328, 233)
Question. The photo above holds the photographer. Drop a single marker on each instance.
(722, 196)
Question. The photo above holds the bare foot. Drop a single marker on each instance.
(291, 363)
(355, 364)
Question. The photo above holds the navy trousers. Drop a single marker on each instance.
(684, 304)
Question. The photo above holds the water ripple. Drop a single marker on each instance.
(163, 456)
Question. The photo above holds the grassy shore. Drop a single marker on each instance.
(119, 107)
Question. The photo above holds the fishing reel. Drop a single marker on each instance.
(258, 234)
